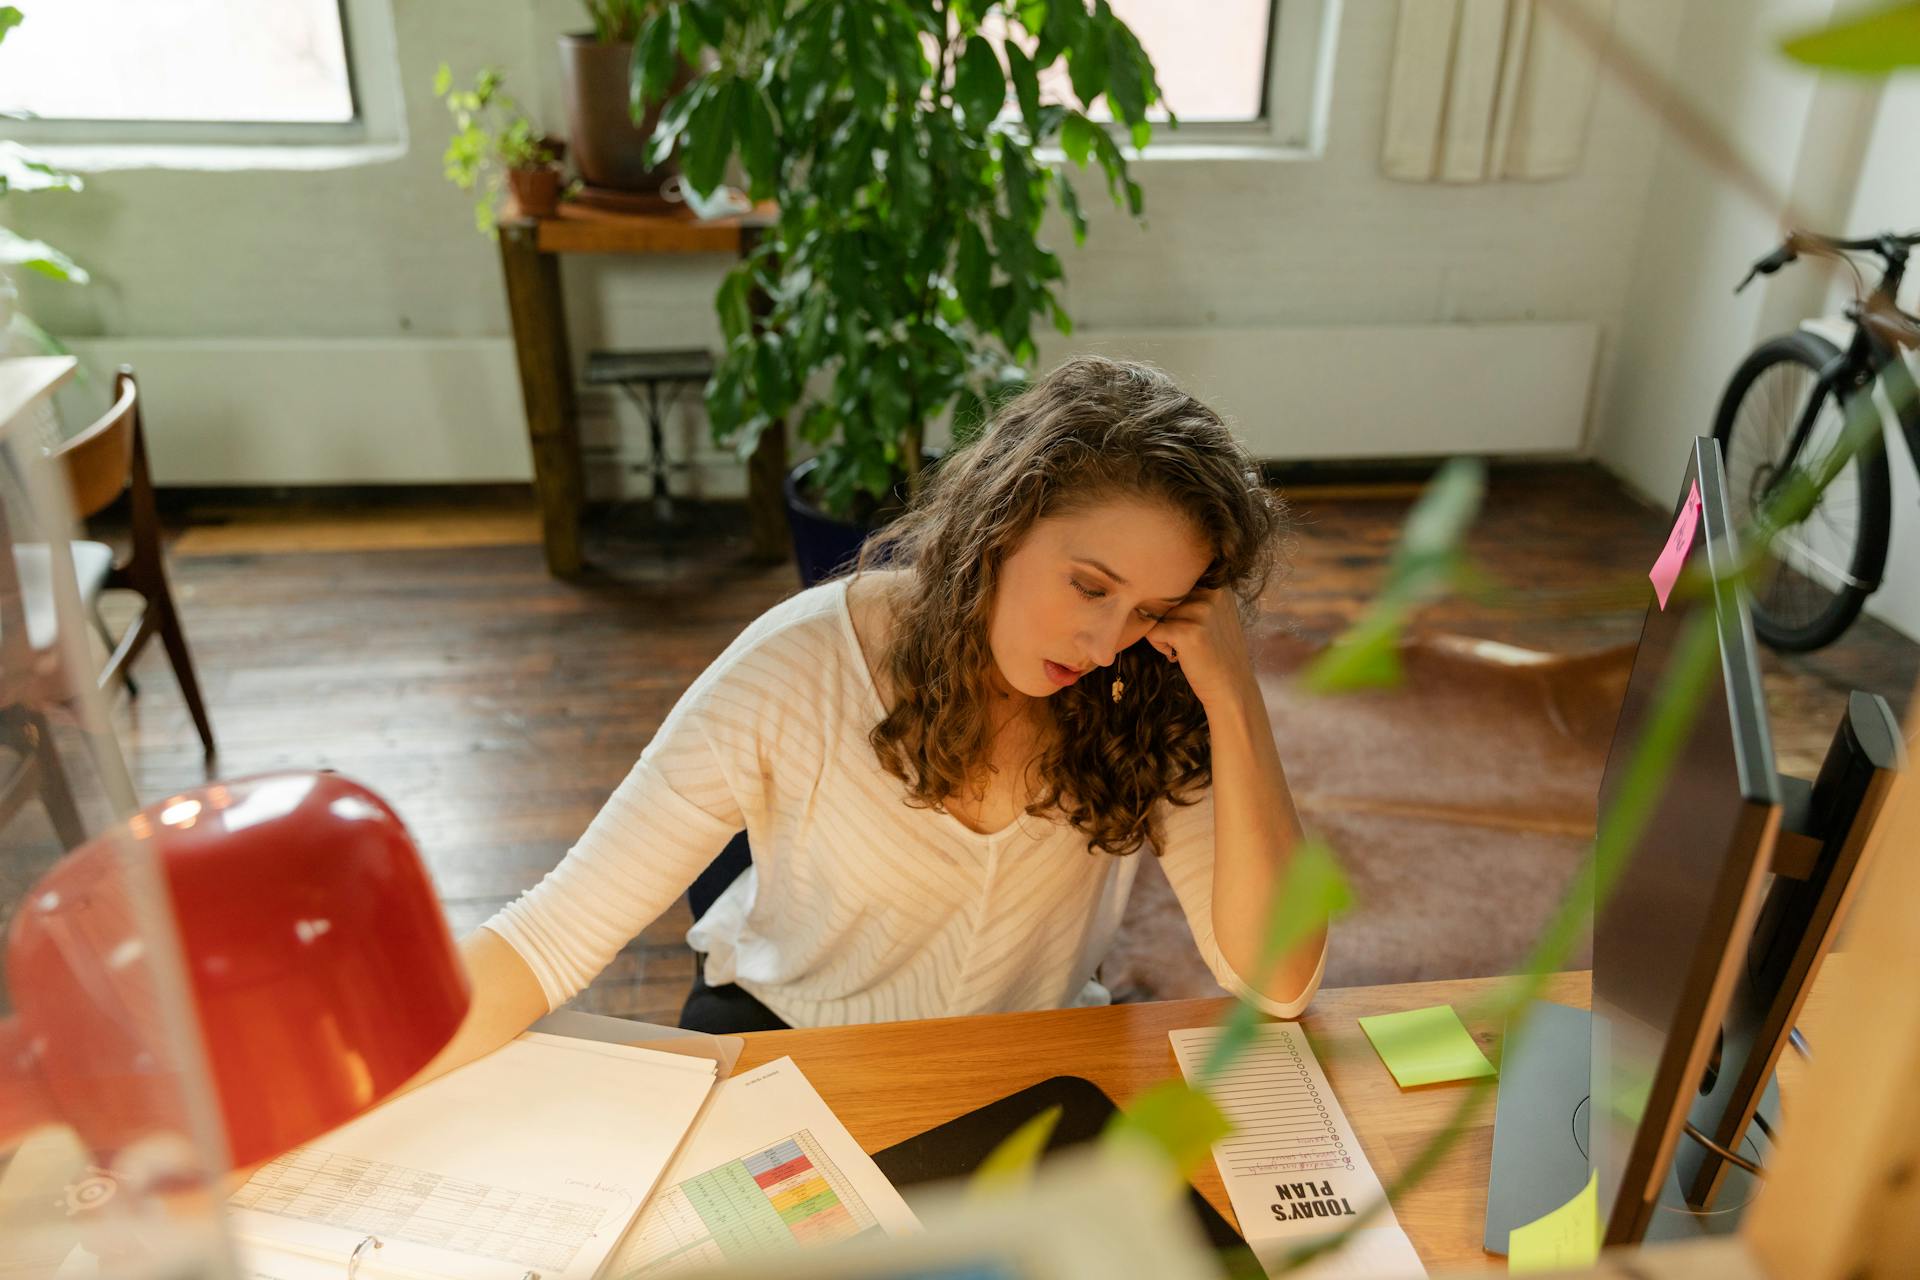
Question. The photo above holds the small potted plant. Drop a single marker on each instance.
(494, 142)
(608, 136)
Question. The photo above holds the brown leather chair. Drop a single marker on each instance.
(107, 459)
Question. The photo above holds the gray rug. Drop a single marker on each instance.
(1459, 802)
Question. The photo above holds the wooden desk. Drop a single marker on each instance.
(530, 250)
(891, 1081)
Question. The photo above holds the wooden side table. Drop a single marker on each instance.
(530, 250)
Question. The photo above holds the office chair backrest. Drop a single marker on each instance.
(99, 460)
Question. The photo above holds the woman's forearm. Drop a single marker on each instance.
(506, 1000)
(1255, 834)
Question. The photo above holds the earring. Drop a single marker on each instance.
(1119, 687)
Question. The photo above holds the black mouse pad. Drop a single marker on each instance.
(956, 1148)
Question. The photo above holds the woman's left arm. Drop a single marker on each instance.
(1255, 827)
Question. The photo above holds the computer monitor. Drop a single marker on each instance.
(1703, 950)
(1667, 940)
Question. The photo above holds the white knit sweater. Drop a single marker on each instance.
(858, 908)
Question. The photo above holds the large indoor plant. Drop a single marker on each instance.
(903, 277)
(609, 145)
(22, 170)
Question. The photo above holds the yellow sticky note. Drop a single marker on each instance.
(1426, 1046)
(1567, 1237)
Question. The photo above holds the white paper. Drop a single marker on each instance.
(767, 1168)
(532, 1159)
(1294, 1168)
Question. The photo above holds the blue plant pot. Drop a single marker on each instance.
(822, 544)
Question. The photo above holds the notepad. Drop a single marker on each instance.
(534, 1158)
(1294, 1168)
(1567, 1237)
(768, 1168)
(1426, 1046)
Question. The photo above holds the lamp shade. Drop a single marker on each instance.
(321, 972)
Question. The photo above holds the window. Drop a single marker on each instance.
(201, 61)
(204, 84)
(1239, 74)
(1211, 59)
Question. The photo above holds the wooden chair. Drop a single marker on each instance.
(107, 459)
(35, 769)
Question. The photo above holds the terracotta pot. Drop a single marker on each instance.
(535, 191)
(608, 148)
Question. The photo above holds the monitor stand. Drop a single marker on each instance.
(1540, 1137)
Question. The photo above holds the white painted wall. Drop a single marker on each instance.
(1888, 198)
(1816, 142)
(381, 261)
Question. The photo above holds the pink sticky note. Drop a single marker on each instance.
(1666, 570)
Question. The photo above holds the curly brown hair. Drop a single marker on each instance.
(1091, 431)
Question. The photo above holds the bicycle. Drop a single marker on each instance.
(1787, 403)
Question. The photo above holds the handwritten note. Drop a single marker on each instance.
(1673, 557)
(1567, 1237)
(1426, 1046)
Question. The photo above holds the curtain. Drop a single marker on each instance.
(1482, 90)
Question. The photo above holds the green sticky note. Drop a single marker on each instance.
(1426, 1046)
(1567, 1237)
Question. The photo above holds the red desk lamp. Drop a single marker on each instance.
(321, 971)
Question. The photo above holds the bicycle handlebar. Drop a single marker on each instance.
(1891, 247)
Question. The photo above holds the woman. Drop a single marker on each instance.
(946, 764)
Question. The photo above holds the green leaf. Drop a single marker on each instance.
(973, 273)
(37, 255)
(1009, 1167)
(734, 305)
(759, 141)
(772, 382)
(1886, 39)
(22, 170)
(1077, 138)
(1087, 62)
(1070, 205)
(726, 395)
(1019, 183)
(651, 75)
(1059, 30)
(1174, 1120)
(710, 138)
(908, 177)
(1365, 657)
(889, 401)
(978, 87)
(708, 18)
(866, 66)
(675, 118)
(1438, 523)
(1026, 87)
(1312, 892)
(442, 79)
(1126, 92)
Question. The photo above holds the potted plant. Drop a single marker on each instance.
(608, 136)
(494, 142)
(906, 269)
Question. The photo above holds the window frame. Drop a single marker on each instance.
(373, 83)
(1301, 39)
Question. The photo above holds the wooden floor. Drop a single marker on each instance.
(425, 652)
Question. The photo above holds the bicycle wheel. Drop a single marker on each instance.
(1819, 572)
